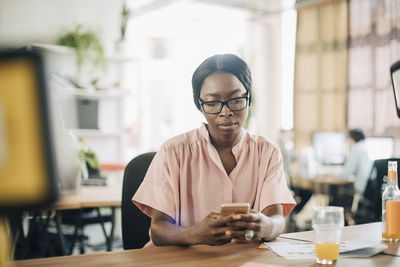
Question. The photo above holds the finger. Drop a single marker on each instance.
(241, 235)
(219, 232)
(237, 234)
(237, 228)
(214, 215)
(221, 221)
(221, 240)
(250, 217)
(239, 241)
(240, 225)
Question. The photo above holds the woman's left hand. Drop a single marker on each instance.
(257, 226)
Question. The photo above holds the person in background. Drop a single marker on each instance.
(357, 165)
(194, 173)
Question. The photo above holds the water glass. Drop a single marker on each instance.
(327, 222)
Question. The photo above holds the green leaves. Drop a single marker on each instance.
(88, 155)
(124, 20)
(86, 44)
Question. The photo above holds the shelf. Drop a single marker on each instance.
(94, 94)
(100, 94)
(96, 133)
(60, 49)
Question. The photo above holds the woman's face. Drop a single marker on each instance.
(223, 86)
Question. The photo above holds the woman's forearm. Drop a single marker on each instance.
(277, 226)
(274, 222)
(165, 233)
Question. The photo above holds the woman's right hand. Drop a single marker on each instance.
(211, 230)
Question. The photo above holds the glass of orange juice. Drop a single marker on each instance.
(327, 222)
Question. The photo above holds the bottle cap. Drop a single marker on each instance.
(392, 170)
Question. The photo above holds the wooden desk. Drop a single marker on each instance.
(328, 185)
(90, 197)
(227, 255)
(86, 197)
(319, 184)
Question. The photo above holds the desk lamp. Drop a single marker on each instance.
(27, 168)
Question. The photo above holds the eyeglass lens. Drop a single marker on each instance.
(235, 104)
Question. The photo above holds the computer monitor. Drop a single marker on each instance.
(380, 147)
(329, 147)
(27, 168)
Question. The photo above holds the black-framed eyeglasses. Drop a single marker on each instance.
(234, 104)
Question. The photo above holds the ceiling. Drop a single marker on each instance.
(141, 7)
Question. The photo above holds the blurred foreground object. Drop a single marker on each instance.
(27, 173)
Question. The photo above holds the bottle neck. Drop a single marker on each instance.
(392, 182)
(392, 178)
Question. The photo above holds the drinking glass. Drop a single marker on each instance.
(327, 222)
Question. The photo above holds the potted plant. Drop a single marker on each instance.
(124, 20)
(125, 14)
(90, 159)
(86, 44)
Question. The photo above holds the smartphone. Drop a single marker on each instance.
(235, 208)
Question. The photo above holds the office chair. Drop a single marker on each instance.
(135, 224)
(83, 217)
(369, 208)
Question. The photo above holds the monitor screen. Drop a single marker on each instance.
(380, 147)
(329, 147)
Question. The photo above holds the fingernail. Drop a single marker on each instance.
(228, 233)
(236, 217)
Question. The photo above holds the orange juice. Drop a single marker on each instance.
(390, 237)
(327, 250)
(392, 221)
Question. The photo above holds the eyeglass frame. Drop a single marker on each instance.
(224, 103)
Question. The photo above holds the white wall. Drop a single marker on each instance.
(25, 21)
(265, 49)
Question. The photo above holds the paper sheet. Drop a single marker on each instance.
(306, 250)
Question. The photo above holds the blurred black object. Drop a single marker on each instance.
(395, 75)
(370, 206)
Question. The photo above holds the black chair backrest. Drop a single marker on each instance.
(373, 191)
(135, 224)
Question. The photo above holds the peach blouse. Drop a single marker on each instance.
(186, 179)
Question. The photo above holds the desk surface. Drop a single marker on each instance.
(90, 197)
(227, 255)
(321, 179)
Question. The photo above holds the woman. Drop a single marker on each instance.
(194, 173)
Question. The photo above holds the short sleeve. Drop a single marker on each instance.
(159, 187)
(274, 188)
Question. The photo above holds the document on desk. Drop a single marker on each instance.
(306, 250)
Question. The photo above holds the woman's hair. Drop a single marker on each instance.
(224, 63)
(357, 135)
